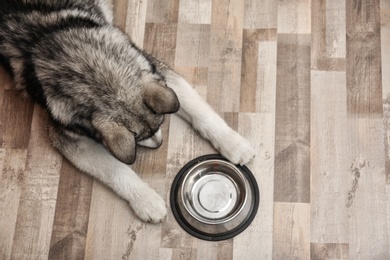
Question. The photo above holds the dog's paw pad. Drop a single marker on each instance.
(150, 207)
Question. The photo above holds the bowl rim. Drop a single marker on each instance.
(201, 234)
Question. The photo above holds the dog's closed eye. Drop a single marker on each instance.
(154, 141)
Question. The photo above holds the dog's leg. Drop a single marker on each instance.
(209, 124)
(92, 158)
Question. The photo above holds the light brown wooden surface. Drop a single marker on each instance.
(307, 82)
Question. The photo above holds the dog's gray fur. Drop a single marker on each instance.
(99, 88)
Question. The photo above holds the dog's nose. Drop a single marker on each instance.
(152, 142)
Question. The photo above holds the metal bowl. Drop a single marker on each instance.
(213, 199)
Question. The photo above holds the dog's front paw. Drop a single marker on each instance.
(149, 206)
(235, 148)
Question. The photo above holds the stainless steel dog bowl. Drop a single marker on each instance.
(213, 199)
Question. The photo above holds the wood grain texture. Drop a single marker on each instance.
(260, 14)
(225, 55)
(16, 120)
(306, 82)
(195, 11)
(261, 229)
(258, 71)
(135, 21)
(328, 46)
(39, 184)
(330, 192)
(292, 137)
(160, 41)
(363, 57)
(294, 16)
(329, 251)
(291, 232)
(250, 56)
(162, 11)
(12, 162)
(71, 215)
(120, 11)
(192, 45)
(385, 47)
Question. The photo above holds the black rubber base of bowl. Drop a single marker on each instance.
(200, 234)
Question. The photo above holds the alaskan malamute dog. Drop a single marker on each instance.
(104, 95)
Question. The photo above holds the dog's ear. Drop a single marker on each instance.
(160, 99)
(119, 140)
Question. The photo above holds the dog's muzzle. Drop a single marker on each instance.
(152, 142)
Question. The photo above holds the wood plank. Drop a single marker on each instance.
(388, 216)
(195, 76)
(71, 214)
(38, 194)
(249, 65)
(139, 241)
(363, 57)
(256, 241)
(207, 250)
(384, 4)
(195, 11)
(12, 165)
(3, 154)
(135, 21)
(330, 151)
(292, 137)
(364, 103)
(260, 14)
(385, 46)
(16, 114)
(225, 55)
(193, 45)
(120, 11)
(367, 195)
(291, 231)
(162, 11)
(328, 27)
(266, 77)
(165, 253)
(3, 82)
(225, 249)
(329, 251)
(335, 29)
(183, 253)
(160, 41)
(258, 74)
(294, 16)
(112, 226)
(6, 82)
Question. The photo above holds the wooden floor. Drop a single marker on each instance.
(307, 82)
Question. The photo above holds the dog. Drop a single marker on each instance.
(104, 95)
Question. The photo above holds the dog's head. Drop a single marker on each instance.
(105, 85)
(137, 123)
